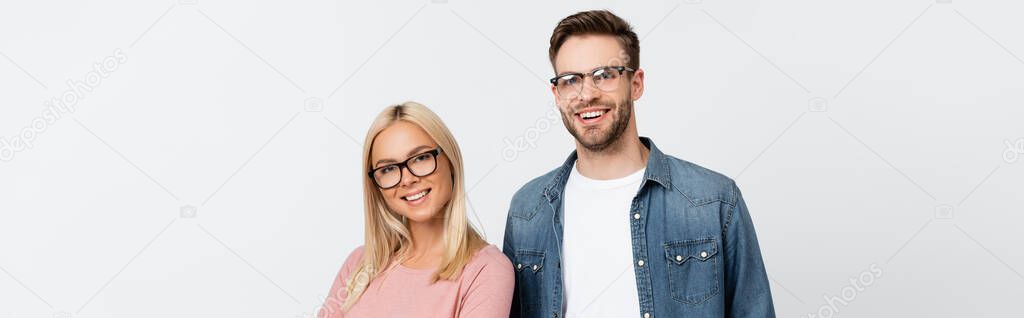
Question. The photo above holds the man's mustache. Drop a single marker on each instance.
(611, 105)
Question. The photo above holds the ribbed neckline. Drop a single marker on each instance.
(578, 180)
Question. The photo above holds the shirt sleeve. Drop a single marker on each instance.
(490, 292)
(747, 292)
(339, 289)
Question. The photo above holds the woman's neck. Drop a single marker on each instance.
(427, 244)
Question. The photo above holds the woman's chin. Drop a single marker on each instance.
(422, 215)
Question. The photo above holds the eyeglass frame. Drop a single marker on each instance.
(404, 165)
(584, 76)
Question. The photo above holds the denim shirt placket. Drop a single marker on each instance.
(638, 224)
(639, 213)
(555, 203)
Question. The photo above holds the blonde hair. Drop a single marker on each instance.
(387, 236)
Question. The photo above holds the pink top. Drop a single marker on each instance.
(484, 289)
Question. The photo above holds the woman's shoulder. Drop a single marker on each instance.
(489, 258)
(354, 258)
(489, 271)
(356, 252)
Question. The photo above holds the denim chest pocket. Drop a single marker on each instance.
(693, 269)
(529, 266)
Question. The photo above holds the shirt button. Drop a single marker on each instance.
(679, 258)
(703, 254)
(640, 263)
(519, 266)
(636, 216)
(535, 267)
(647, 315)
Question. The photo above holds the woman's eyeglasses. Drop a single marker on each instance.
(420, 165)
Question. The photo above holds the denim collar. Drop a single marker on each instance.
(657, 171)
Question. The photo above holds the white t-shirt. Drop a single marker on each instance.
(597, 249)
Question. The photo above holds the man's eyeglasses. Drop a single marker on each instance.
(570, 85)
(420, 165)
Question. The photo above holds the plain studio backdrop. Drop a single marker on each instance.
(204, 159)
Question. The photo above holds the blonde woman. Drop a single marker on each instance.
(421, 258)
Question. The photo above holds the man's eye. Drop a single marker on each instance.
(603, 74)
(571, 80)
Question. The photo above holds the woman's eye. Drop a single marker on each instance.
(388, 169)
(422, 157)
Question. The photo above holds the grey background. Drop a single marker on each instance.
(215, 172)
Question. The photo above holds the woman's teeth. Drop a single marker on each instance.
(416, 196)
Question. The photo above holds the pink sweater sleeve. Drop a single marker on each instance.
(332, 305)
(491, 288)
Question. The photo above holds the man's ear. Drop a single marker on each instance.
(558, 99)
(637, 84)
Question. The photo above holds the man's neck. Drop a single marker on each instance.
(626, 156)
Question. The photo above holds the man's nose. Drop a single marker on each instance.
(589, 91)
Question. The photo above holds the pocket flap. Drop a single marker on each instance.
(529, 260)
(699, 249)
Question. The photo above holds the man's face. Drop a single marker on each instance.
(594, 116)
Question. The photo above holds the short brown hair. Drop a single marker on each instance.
(601, 22)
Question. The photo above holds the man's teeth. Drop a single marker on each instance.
(417, 196)
(593, 114)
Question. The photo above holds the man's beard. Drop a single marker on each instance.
(596, 139)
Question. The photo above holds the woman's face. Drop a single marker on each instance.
(397, 143)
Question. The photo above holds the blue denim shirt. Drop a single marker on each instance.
(690, 228)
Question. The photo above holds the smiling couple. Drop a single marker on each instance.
(620, 229)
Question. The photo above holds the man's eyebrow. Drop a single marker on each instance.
(587, 72)
(411, 153)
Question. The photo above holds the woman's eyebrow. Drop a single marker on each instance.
(418, 150)
(412, 152)
(379, 162)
